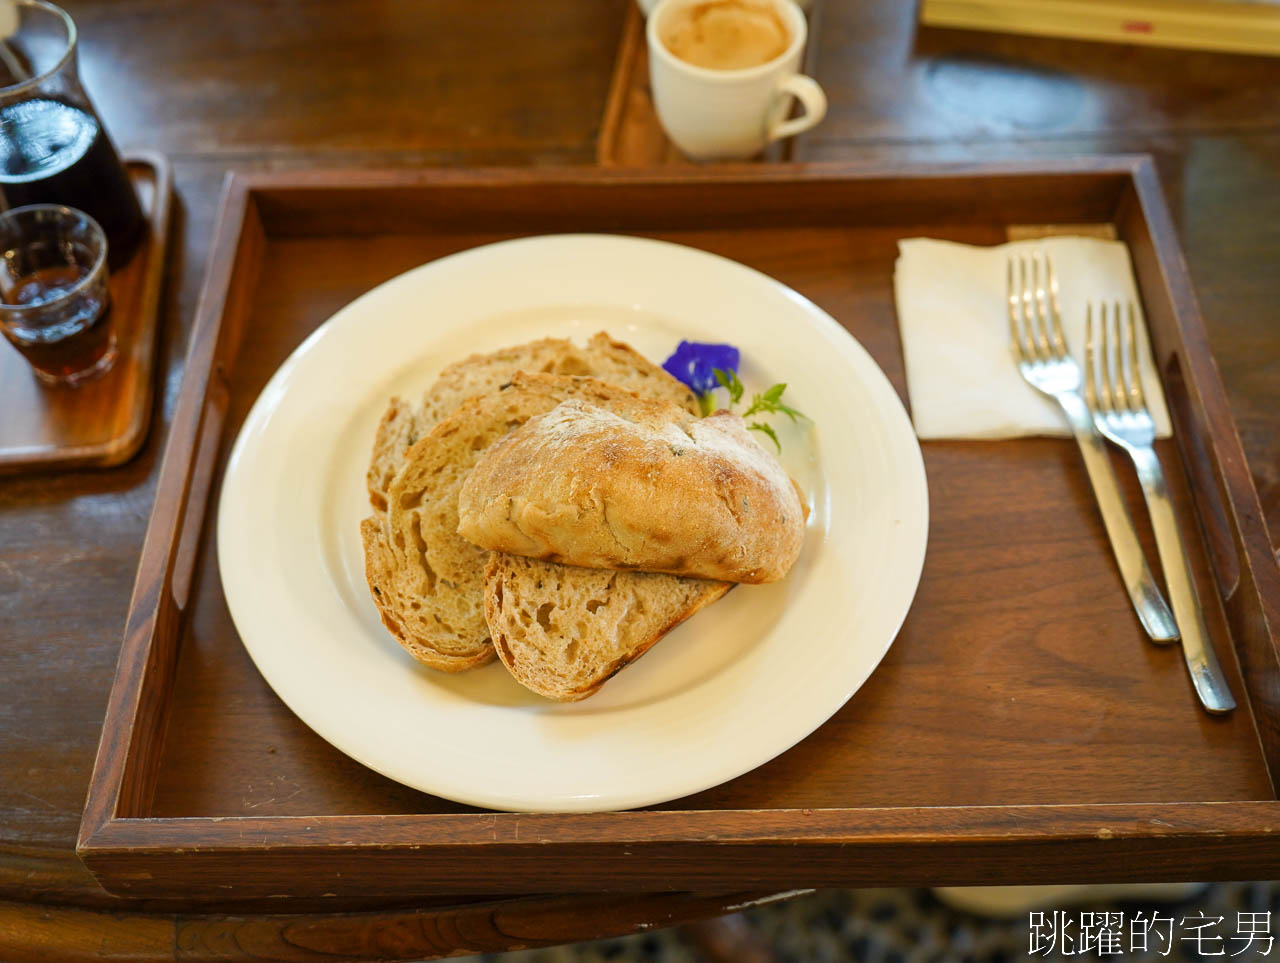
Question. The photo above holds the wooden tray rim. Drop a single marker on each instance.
(1081, 832)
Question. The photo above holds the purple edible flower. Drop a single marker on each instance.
(694, 364)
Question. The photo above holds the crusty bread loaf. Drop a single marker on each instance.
(564, 631)
(427, 581)
(479, 374)
(448, 634)
(650, 488)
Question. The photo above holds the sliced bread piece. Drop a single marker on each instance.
(424, 578)
(564, 631)
(651, 488)
(399, 608)
(603, 358)
(399, 428)
(480, 374)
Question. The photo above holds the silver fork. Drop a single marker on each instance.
(1035, 329)
(1113, 392)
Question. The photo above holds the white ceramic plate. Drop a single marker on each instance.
(733, 687)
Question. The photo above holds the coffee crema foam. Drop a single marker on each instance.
(725, 34)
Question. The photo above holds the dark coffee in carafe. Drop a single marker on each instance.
(54, 153)
(53, 147)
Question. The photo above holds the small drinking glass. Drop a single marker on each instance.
(53, 292)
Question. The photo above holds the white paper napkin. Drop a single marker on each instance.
(952, 311)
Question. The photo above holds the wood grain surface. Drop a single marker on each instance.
(395, 82)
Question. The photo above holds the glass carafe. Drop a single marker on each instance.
(53, 147)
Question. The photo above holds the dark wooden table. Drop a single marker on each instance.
(260, 84)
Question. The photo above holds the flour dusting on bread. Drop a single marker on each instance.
(652, 489)
(603, 358)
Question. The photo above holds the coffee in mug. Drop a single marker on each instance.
(726, 34)
(724, 75)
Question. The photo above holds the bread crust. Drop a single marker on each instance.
(603, 358)
(651, 489)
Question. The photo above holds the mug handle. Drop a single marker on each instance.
(806, 90)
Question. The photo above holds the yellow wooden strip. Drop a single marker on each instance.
(1243, 28)
(1031, 232)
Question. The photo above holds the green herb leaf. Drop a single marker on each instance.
(770, 402)
(767, 402)
(768, 430)
(789, 411)
(731, 383)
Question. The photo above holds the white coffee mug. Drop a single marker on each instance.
(723, 114)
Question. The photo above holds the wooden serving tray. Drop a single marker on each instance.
(630, 133)
(102, 422)
(1021, 728)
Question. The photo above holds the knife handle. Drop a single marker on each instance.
(1197, 649)
(1153, 612)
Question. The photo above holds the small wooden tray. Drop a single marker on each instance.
(1020, 730)
(630, 134)
(103, 422)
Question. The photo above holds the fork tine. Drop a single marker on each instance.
(1107, 368)
(1015, 333)
(1105, 400)
(1036, 299)
(1019, 318)
(1118, 374)
(1025, 324)
(1055, 309)
(1104, 359)
(1090, 360)
(1137, 399)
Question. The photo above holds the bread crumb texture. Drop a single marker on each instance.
(563, 631)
